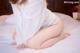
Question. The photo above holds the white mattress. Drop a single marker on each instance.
(68, 45)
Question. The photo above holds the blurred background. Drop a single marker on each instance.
(63, 6)
(68, 7)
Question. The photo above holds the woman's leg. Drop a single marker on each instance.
(45, 34)
(50, 33)
(47, 43)
(53, 41)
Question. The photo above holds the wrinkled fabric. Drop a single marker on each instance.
(30, 17)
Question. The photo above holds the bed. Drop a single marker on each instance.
(68, 45)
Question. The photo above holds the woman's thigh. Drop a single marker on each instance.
(46, 33)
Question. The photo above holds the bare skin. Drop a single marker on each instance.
(46, 37)
(46, 44)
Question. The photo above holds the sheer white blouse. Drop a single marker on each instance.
(30, 17)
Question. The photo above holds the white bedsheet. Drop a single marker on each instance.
(68, 45)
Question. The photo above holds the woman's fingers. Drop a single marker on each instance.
(21, 46)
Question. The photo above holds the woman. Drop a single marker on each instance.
(35, 23)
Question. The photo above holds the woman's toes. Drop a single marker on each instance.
(65, 35)
(22, 46)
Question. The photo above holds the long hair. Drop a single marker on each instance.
(16, 1)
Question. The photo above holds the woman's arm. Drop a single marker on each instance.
(13, 37)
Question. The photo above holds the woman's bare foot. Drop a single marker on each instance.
(65, 35)
(53, 41)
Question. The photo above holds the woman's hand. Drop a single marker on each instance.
(20, 46)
